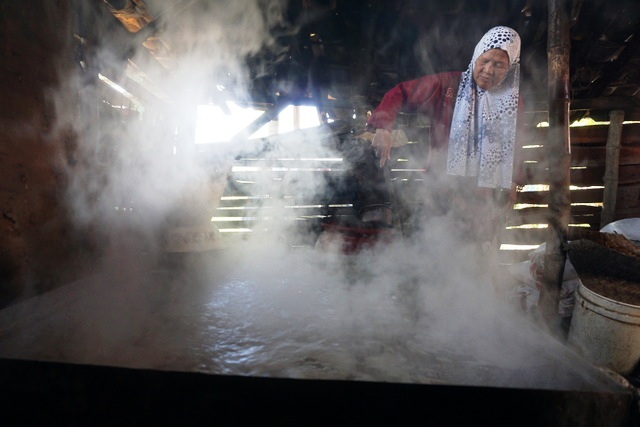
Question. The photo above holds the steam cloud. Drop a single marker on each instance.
(266, 309)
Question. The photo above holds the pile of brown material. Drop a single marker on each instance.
(608, 264)
(613, 241)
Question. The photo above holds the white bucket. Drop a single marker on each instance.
(606, 332)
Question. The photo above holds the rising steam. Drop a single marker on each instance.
(407, 311)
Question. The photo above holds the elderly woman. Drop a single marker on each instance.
(474, 121)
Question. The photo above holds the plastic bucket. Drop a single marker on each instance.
(605, 331)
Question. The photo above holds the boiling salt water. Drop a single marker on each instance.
(269, 311)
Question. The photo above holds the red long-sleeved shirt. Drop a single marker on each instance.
(434, 96)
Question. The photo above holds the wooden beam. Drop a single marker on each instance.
(612, 165)
(606, 103)
(559, 160)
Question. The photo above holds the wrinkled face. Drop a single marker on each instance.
(490, 68)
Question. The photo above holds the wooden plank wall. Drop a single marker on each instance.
(588, 154)
(263, 190)
(265, 193)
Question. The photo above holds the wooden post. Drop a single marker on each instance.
(611, 167)
(559, 160)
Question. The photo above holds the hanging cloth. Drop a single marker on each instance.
(483, 127)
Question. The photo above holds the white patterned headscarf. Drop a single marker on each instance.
(483, 128)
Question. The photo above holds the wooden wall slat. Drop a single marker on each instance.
(633, 212)
(577, 196)
(581, 177)
(538, 215)
(582, 156)
(629, 174)
(628, 196)
(598, 134)
(519, 236)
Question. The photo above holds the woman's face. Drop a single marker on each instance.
(490, 68)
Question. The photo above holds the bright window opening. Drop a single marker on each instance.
(214, 125)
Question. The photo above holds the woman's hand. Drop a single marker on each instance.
(513, 194)
(382, 145)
